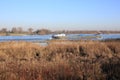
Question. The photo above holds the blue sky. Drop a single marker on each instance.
(61, 14)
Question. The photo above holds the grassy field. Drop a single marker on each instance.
(60, 60)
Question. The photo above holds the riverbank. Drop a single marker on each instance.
(63, 60)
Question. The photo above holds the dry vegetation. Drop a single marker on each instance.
(63, 60)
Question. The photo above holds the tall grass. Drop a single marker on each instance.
(60, 60)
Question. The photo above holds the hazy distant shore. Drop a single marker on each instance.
(20, 31)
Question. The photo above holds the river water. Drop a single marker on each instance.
(34, 38)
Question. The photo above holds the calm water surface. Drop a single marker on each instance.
(33, 38)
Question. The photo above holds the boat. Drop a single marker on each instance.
(59, 36)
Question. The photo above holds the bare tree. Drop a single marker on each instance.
(19, 30)
(4, 30)
(14, 30)
(30, 30)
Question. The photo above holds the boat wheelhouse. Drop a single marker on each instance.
(58, 36)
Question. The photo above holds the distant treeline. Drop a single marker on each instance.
(87, 32)
(31, 31)
(20, 30)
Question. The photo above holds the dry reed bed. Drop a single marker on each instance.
(60, 60)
